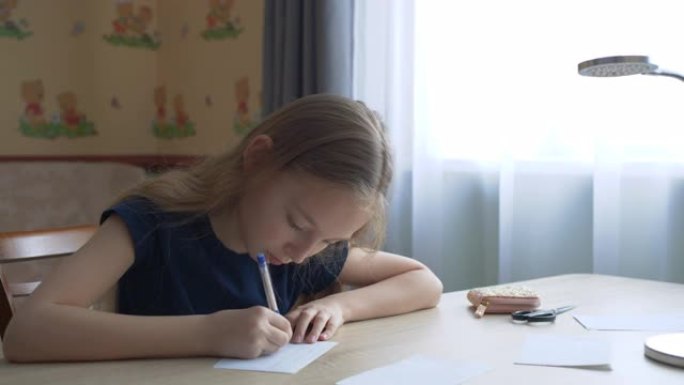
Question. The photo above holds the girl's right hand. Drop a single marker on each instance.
(246, 333)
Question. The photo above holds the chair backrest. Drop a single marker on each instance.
(22, 248)
(47, 194)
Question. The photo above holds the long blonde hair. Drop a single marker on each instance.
(331, 137)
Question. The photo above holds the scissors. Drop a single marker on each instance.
(537, 317)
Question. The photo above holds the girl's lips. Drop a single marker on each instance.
(275, 260)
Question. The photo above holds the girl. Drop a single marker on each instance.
(306, 187)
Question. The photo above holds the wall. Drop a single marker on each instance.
(62, 43)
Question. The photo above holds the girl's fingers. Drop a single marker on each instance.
(330, 330)
(275, 340)
(302, 325)
(293, 315)
(281, 323)
(319, 323)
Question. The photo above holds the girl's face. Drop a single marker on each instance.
(293, 216)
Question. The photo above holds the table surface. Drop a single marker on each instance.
(448, 331)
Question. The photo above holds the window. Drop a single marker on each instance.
(498, 79)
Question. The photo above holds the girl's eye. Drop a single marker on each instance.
(293, 225)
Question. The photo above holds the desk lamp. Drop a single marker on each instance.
(666, 348)
(622, 66)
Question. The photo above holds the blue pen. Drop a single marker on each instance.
(266, 280)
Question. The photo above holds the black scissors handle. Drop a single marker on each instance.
(538, 316)
(525, 316)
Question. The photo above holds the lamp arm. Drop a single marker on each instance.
(666, 73)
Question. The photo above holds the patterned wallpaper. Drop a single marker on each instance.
(83, 77)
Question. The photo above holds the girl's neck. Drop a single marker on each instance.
(225, 224)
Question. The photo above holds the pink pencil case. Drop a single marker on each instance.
(502, 299)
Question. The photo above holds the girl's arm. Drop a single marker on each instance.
(388, 284)
(55, 323)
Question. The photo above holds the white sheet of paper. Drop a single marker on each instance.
(671, 322)
(419, 370)
(289, 359)
(570, 351)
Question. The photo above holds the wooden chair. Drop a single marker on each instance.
(18, 248)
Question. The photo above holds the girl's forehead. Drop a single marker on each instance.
(325, 202)
(303, 180)
(308, 191)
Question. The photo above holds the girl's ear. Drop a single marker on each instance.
(257, 152)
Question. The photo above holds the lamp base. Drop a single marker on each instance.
(666, 348)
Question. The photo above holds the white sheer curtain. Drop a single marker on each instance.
(509, 164)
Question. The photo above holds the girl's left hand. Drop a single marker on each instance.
(315, 321)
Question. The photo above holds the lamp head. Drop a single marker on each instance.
(616, 66)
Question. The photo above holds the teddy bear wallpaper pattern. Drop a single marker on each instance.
(9, 27)
(68, 122)
(131, 28)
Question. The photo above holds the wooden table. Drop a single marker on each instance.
(449, 330)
